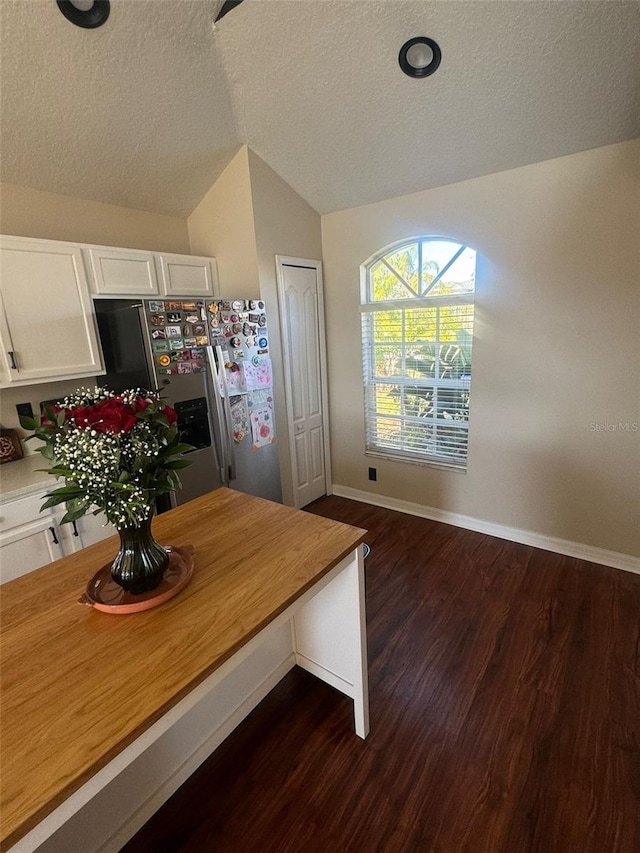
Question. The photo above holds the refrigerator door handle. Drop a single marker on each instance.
(220, 421)
(231, 459)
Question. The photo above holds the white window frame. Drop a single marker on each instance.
(402, 381)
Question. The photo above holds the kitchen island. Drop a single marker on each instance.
(104, 716)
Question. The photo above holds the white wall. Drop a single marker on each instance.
(222, 226)
(284, 225)
(26, 212)
(248, 217)
(556, 349)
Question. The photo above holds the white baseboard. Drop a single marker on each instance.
(326, 675)
(626, 562)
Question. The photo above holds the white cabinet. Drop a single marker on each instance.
(85, 531)
(188, 275)
(30, 538)
(47, 325)
(130, 272)
(122, 272)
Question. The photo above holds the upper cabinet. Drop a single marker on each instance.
(47, 325)
(130, 272)
(122, 272)
(187, 275)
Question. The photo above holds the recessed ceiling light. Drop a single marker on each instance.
(419, 57)
(85, 13)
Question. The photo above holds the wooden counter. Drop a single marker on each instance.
(78, 686)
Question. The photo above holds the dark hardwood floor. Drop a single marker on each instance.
(505, 715)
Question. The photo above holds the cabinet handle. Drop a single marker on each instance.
(12, 356)
(75, 529)
(53, 536)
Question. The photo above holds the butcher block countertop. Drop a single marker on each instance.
(79, 685)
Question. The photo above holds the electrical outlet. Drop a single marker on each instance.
(24, 410)
(373, 473)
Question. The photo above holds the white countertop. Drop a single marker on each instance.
(22, 477)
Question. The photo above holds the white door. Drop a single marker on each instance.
(302, 327)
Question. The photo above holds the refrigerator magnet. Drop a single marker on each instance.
(202, 340)
(225, 306)
(236, 328)
(160, 346)
(263, 343)
(173, 331)
(212, 307)
(158, 334)
(254, 318)
(164, 360)
(190, 342)
(214, 322)
(176, 343)
(189, 306)
(199, 329)
(237, 304)
(156, 306)
(235, 342)
(184, 367)
(187, 330)
(192, 318)
(157, 320)
(173, 317)
(238, 354)
(197, 352)
(173, 306)
(263, 320)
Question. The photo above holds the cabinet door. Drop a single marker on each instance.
(86, 531)
(47, 326)
(122, 272)
(27, 547)
(187, 275)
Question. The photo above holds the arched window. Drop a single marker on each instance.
(417, 332)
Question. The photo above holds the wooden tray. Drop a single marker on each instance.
(106, 595)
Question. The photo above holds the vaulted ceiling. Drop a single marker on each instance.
(147, 110)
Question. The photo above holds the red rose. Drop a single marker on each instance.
(50, 413)
(140, 404)
(79, 416)
(170, 414)
(108, 416)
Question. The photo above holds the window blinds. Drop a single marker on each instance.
(417, 378)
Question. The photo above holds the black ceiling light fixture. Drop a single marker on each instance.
(420, 57)
(226, 7)
(85, 13)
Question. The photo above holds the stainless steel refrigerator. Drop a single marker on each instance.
(210, 360)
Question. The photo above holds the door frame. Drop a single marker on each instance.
(282, 261)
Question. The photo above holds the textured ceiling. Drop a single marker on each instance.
(147, 110)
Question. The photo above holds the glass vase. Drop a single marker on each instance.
(141, 562)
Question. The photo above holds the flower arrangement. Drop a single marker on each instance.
(115, 452)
